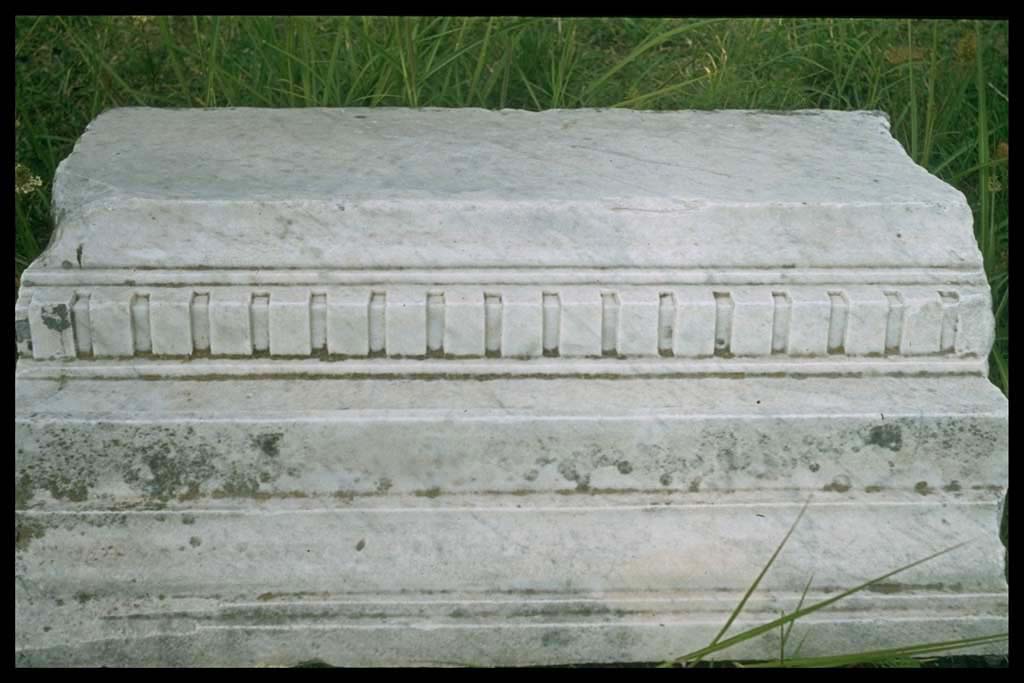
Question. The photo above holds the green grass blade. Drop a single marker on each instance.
(755, 584)
(873, 656)
(1003, 372)
(644, 47)
(717, 646)
(478, 70)
(789, 626)
(914, 148)
(675, 87)
(984, 238)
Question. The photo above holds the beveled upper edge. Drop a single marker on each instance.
(435, 189)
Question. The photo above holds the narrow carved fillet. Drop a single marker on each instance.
(390, 386)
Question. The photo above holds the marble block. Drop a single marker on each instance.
(466, 387)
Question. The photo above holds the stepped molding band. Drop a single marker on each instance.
(507, 321)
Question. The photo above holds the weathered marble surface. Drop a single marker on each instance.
(469, 188)
(383, 386)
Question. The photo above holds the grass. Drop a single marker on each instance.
(944, 84)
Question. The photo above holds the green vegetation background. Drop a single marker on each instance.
(943, 83)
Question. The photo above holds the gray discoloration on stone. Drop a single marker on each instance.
(352, 591)
(184, 460)
(22, 331)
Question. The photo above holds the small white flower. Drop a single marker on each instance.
(24, 180)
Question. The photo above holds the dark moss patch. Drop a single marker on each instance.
(923, 488)
(432, 492)
(383, 485)
(360, 545)
(268, 443)
(568, 471)
(62, 488)
(188, 519)
(872, 489)
(238, 485)
(82, 597)
(190, 494)
(174, 474)
(840, 484)
(893, 587)
(195, 541)
(885, 436)
(624, 466)
(666, 479)
(315, 663)
(556, 639)
(952, 486)
(26, 531)
(23, 492)
(56, 317)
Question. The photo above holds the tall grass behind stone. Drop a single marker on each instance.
(943, 83)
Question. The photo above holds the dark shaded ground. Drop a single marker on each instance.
(954, 662)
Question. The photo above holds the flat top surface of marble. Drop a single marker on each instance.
(472, 188)
(671, 158)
